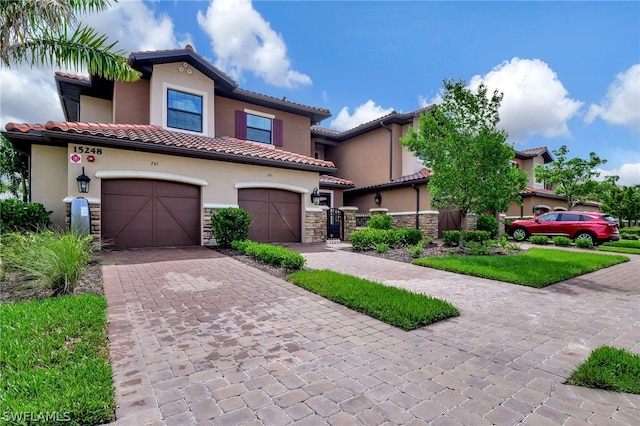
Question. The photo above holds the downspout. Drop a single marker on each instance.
(417, 205)
(390, 149)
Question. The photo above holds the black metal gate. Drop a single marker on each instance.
(335, 223)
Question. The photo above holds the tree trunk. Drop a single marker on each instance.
(463, 227)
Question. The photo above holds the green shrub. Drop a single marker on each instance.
(368, 239)
(632, 231)
(487, 223)
(20, 216)
(628, 236)
(415, 251)
(382, 248)
(379, 221)
(539, 239)
(409, 236)
(451, 238)
(477, 236)
(53, 259)
(230, 224)
(561, 241)
(477, 248)
(272, 255)
(583, 243)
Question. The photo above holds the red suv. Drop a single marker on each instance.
(596, 227)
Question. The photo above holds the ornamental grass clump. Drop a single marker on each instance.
(52, 259)
(395, 306)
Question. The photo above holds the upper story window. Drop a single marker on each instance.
(184, 111)
(256, 127)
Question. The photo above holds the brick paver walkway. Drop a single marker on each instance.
(198, 338)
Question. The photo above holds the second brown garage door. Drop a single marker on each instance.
(150, 213)
(275, 214)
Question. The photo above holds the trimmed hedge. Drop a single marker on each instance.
(369, 239)
(561, 241)
(539, 239)
(379, 221)
(272, 255)
(230, 224)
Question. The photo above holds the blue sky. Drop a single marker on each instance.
(569, 71)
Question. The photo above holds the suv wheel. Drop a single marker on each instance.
(519, 234)
(584, 235)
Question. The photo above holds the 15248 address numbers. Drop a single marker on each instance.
(87, 150)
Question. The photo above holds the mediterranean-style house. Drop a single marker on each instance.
(166, 151)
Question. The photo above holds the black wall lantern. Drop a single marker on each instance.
(315, 196)
(83, 182)
(377, 199)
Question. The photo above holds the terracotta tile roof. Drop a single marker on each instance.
(152, 135)
(333, 180)
(534, 151)
(540, 191)
(324, 130)
(283, 99)
(72, 76)
(419, 176)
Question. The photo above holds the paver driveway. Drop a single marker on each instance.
(199, 338)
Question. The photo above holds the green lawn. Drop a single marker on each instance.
(54, 362)
(395, 306)
(621, 246)
(611, 369)
(537, 267)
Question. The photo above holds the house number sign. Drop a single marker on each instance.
(87, 150)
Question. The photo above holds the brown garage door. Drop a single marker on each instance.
(150, 213)
(275, 214)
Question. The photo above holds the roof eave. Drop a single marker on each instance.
(141, 61)
(388, 185)
(64, 137)
(395, 118)
(314, 114)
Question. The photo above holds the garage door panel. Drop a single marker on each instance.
(147, 213)
(276, 214)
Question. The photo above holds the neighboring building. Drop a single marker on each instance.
(166, 151)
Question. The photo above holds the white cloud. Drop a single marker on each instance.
(136, 27)
(621, 104)
(243, 41)
(628, 173)
(535, 101)
(423, 101)
(29, 94)
(364, 113)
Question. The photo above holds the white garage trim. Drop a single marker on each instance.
(272, 185)
(68, 200)
(219, 206)
(129, 174)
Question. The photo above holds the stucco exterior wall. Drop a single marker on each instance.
(296, 136)
(131, 102)
(95, 110)
(49, 175)
(363, 159)
(221, 177)
(395, 200)
(169, 76)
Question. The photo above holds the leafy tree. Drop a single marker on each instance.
(459, 141)
(13, 171)
(574, 178)
(623, 203)
(37, 32)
